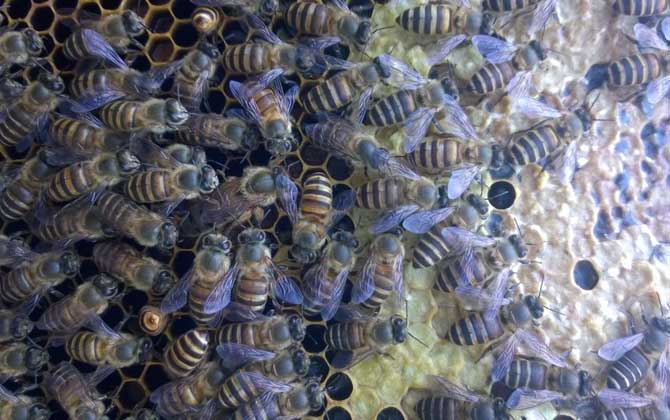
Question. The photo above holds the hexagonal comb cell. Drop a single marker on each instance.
(390, 413)
(160, 49)
(42, 18)
(185, 35)
(159, 21)
(110, 4)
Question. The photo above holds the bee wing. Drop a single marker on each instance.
(460, 239)
(285, 289)
(613, 398)
(350, 313)
(219, 298)
(7, 395)
(649, 38)
(149, 152)
(458, 123)
(288, 196)
(504, 359)
(440, 50)
(416, 126)
(340, 4)
(478, 299)
(364, 286)
(525, 398)
(460, 180)
(287, 100)
(405, 76)
(541, 15)
(657, 89)
(14, 251)
(234, 355)
(241, 93)
(468, 262)
(533, 343)
(360, 106)
(97, 324)
(494, 49)
(393, 167)
(662, 373)
(454, 391)
(100, 48)
(262, 30)
(565, 164)
(92, 100)
(615, 349)
(398, 277)
(421, 222)
(665, 27)
(392, 218)
(262, 382)
(534, 108)
(519, 85)
(333, 303)
(176, 298)
(29, 305)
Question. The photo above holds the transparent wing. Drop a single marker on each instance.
(13, 251)
(97, 324)
(90, 101)
(242, 96)
(101, 48)
(437, 52)
(657, 89)
(538, 349)
(665, 27)
(6, 395)
(286, 290)
(220, 296)
(648, 38)
(478, 299)
(416, 126)
(541, 15)
(519, 85)
(565, 164)
(288, 196)
(615, 349)
(454, 391)
(260, 82)
(344, 201)
(498, 290)
(262, 30)
(613, 398)
(534, 108)
(360, 106)
(468, 262)
(460, 180)
(149, 152)
(288, 100)
(350, 313)
(460, 239)
(234, 355)
(494, 49)
(393, 167)
(421, 222)
(319, 43)
(314, 278)
(662, 374)
(404, 77)
(504, 359)
(262, 382)
(365, 285)
(392, 219)
(457, 122)
(398, 277)
(331, 306)
(525, 398)
(340, 4)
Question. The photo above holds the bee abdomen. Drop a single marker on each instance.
(380, 194)
(17, 200)
(437, 408)
(429, 19)
(252, 291)
(317, 197)
(437, 154)
(256, 409)
(621, 414)
(391, 110)
(86, 347)
(640, 7)
(383, 286)
(186, 353)
(115, 208)
(634, 70)
(18, 285)
(18, 123)
(506, 5)
(89, 82)
(236, 391)
(628, 370)
(268, 107)
(329, 95)
(490, 78)
(76, 47)
(240, 333)
(120, 115)
(309, 18)
(316, 295)
(149, 187)
(430, 248)
(523, 373)
(72, 182)
(344, 336)
(533, 145)
(246, 58)
(474, 329)
(197, 296)
(454, 275)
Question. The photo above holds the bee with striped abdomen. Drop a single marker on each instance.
(15, 324)
(295, 403)
(133, 268)
(541, 11)
(269, 108)
(436, 156)
(383, 273)
(641, 8)
(133, 221)
(186, 353)
(68, 225)
(265, 9)
(29, 113)
(35, 276)
(251, 280)
(107, 349)
(100, 37)
(153, 115)
(193, 73)
(191, 394)
(95, 174)
(333, 19)
(85, 135)
(444, 19)
(448, 401)
(82, 308)
(13, 251)
(220, 132)
(22, 186)
(211, 264)
(273, 333)
(619, 405)
(323, 283)
(19, 47)
(75, 393)
(18, 359)
(19, 406)
(206, 20)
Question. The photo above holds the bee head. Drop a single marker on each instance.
(52, 82)
(268, 7)
(107, 286)
(68, 264)
(167, 235)
(175, 113)
(499, 409)
(251, 236)
(658, 333)
(304, 255)
(382, 67)
(304, 58)
(535, 52)
(33, 41)
(296, 328)
(21, 327)
(163, 282)
(133, 24)
(534, 306)
(314, 395)
(38, 412)
(399, 329)
(497, 157)
(479, 203)
(217, 241)
(585, 383)
(145, 348)
(486, 27)
(128, 162)
(300, 362)
(520, 248)
(596, 76)
(281, 143)
(35, 358)
(209, 50)
(363, 33)
(449, 87)
(208, 179)
(585, 120)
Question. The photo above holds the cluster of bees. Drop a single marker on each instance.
(121, 160)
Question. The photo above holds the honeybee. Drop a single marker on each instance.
(81, 308)
(13, 250)
(251, 280)
(70, 224)
(10, 89)
(14, 406)
(541, 11)
(20, 190)
(19, 47)
(292, 404)
(186, 353)
(449, 401)
(419, 204)
(17, 359)
(382, 274)
(129, 219)
(29, 113)
(75, 393)
(102, 37)
(269, 108)
(612, 404)
(35, 276)
(135, 269)
(315, 215)
(641, 8)
(323, 283)
(102, 171)
(445, 19)
(15, 325)
(273, 333)
(190, 394)
(193, 74)
(214, 130)
(265, 9)
(153, 115)
(345, 140)
(104, 349)
(334, 19)
(211, 264)
(206, 20)
(86, 135)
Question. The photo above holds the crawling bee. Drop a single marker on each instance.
(211, 264)
(30, 111)
(334, 19)
(193, 74)
(20, 406)
(269, 108)
(217, 131)
(86, 135)
(19, 47)
(131, 220)
(295, 403)
(611, 404)
(68, 225)
(186, 353)
(102, 171)
(133, 268)
(440, 155)
(444, 19)
(541, 11)
(74, 392)
(13, 251)
(82, 308)
(265, 9)
(35, 276)
(641, 8)
(382, 275)
(18, 359)
(323, 283)
(207, 20)
(22, 186)
(190, 394)
(274, 333)
(10, 90)
(106, 349)
(449, 401)
(153, 115)
(251, 280)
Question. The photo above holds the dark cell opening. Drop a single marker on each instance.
(390, 413)
(312, 155)
(339, 169)
(134, 371)
(160, 50)
(234, 33)
(181, 325)
(501, 195)
(131, 394)
(585, 274)
(88, 9)
(158, 2)
(283, 231)
(141, 63)
(339, 387)
(293, 166)
(110, 4)
(64, 7)
(185, 35)
(61, 32)
(160, 22)
(269, 217)
(338, 413)
(110, 383)
(155, 377)
(42, 18)
(18, 9)
(563, 417)
(216, 100)
(183, 262)
(88, 268)
(339, 359)
(113, 315)
(314, 342)
(133, 300)
(182, 9)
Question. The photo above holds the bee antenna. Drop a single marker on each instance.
(593, 102)
(660, 305)
(417, 339)
(383, 28)
(553, 310)
(518, 229)
(541, 287)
